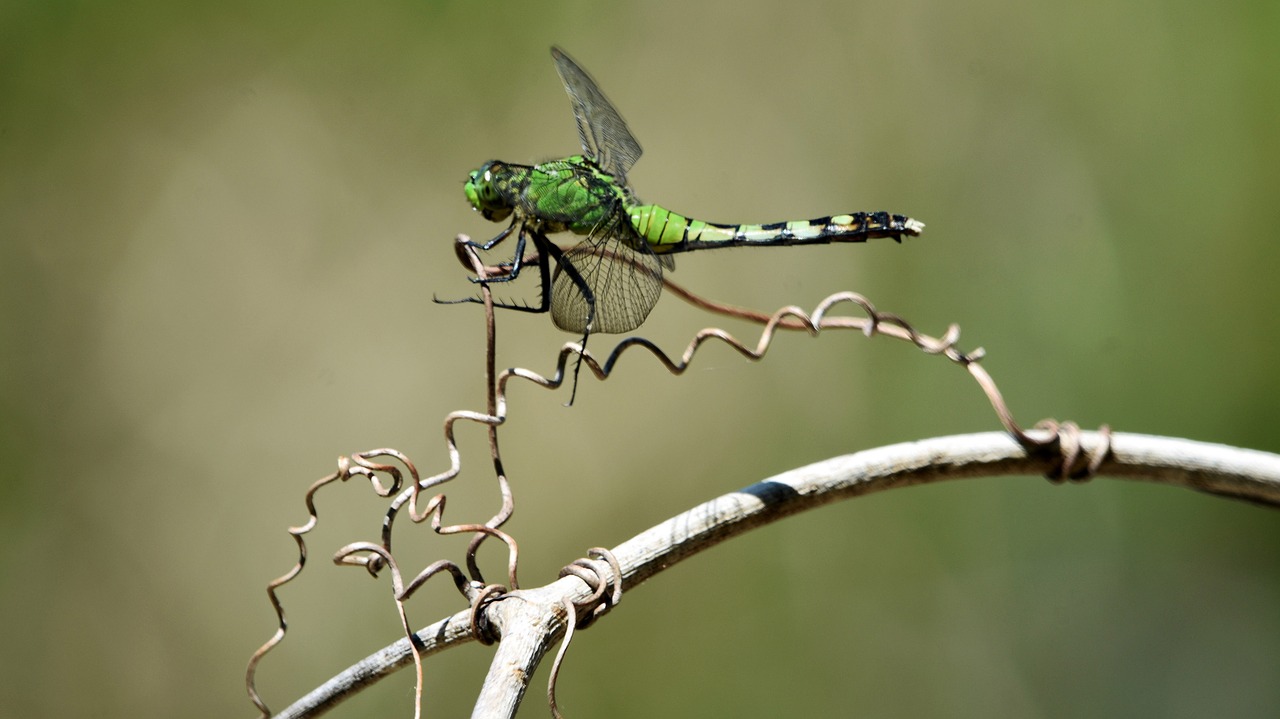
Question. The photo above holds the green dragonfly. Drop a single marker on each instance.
(610, 280)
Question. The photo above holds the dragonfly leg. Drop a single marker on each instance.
(486, 246)
(544, 272)
(513, 267)
(547, 247)
(544, 277)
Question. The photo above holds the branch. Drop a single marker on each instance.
(533, 619)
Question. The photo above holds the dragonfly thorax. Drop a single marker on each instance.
(571, 194)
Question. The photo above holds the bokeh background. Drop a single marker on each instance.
(221, 227)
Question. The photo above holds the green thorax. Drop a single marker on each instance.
(570, 194)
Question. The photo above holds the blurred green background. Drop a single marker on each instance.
(221, 228)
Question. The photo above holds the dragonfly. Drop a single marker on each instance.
(610, 280)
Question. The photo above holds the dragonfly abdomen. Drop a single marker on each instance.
(668, 231)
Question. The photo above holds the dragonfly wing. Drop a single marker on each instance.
(623, 275)
(602, 131)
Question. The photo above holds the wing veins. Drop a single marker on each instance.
(604, 135)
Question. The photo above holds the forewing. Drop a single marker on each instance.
(604, 134)
(624, 276)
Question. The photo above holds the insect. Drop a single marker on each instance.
(611, 279)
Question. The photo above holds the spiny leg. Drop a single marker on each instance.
(513, 271)
(547, 247)
(489, 245)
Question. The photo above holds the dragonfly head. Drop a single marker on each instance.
(483, 194)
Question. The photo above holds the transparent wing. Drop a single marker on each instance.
(624, 276)
(604, 134)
